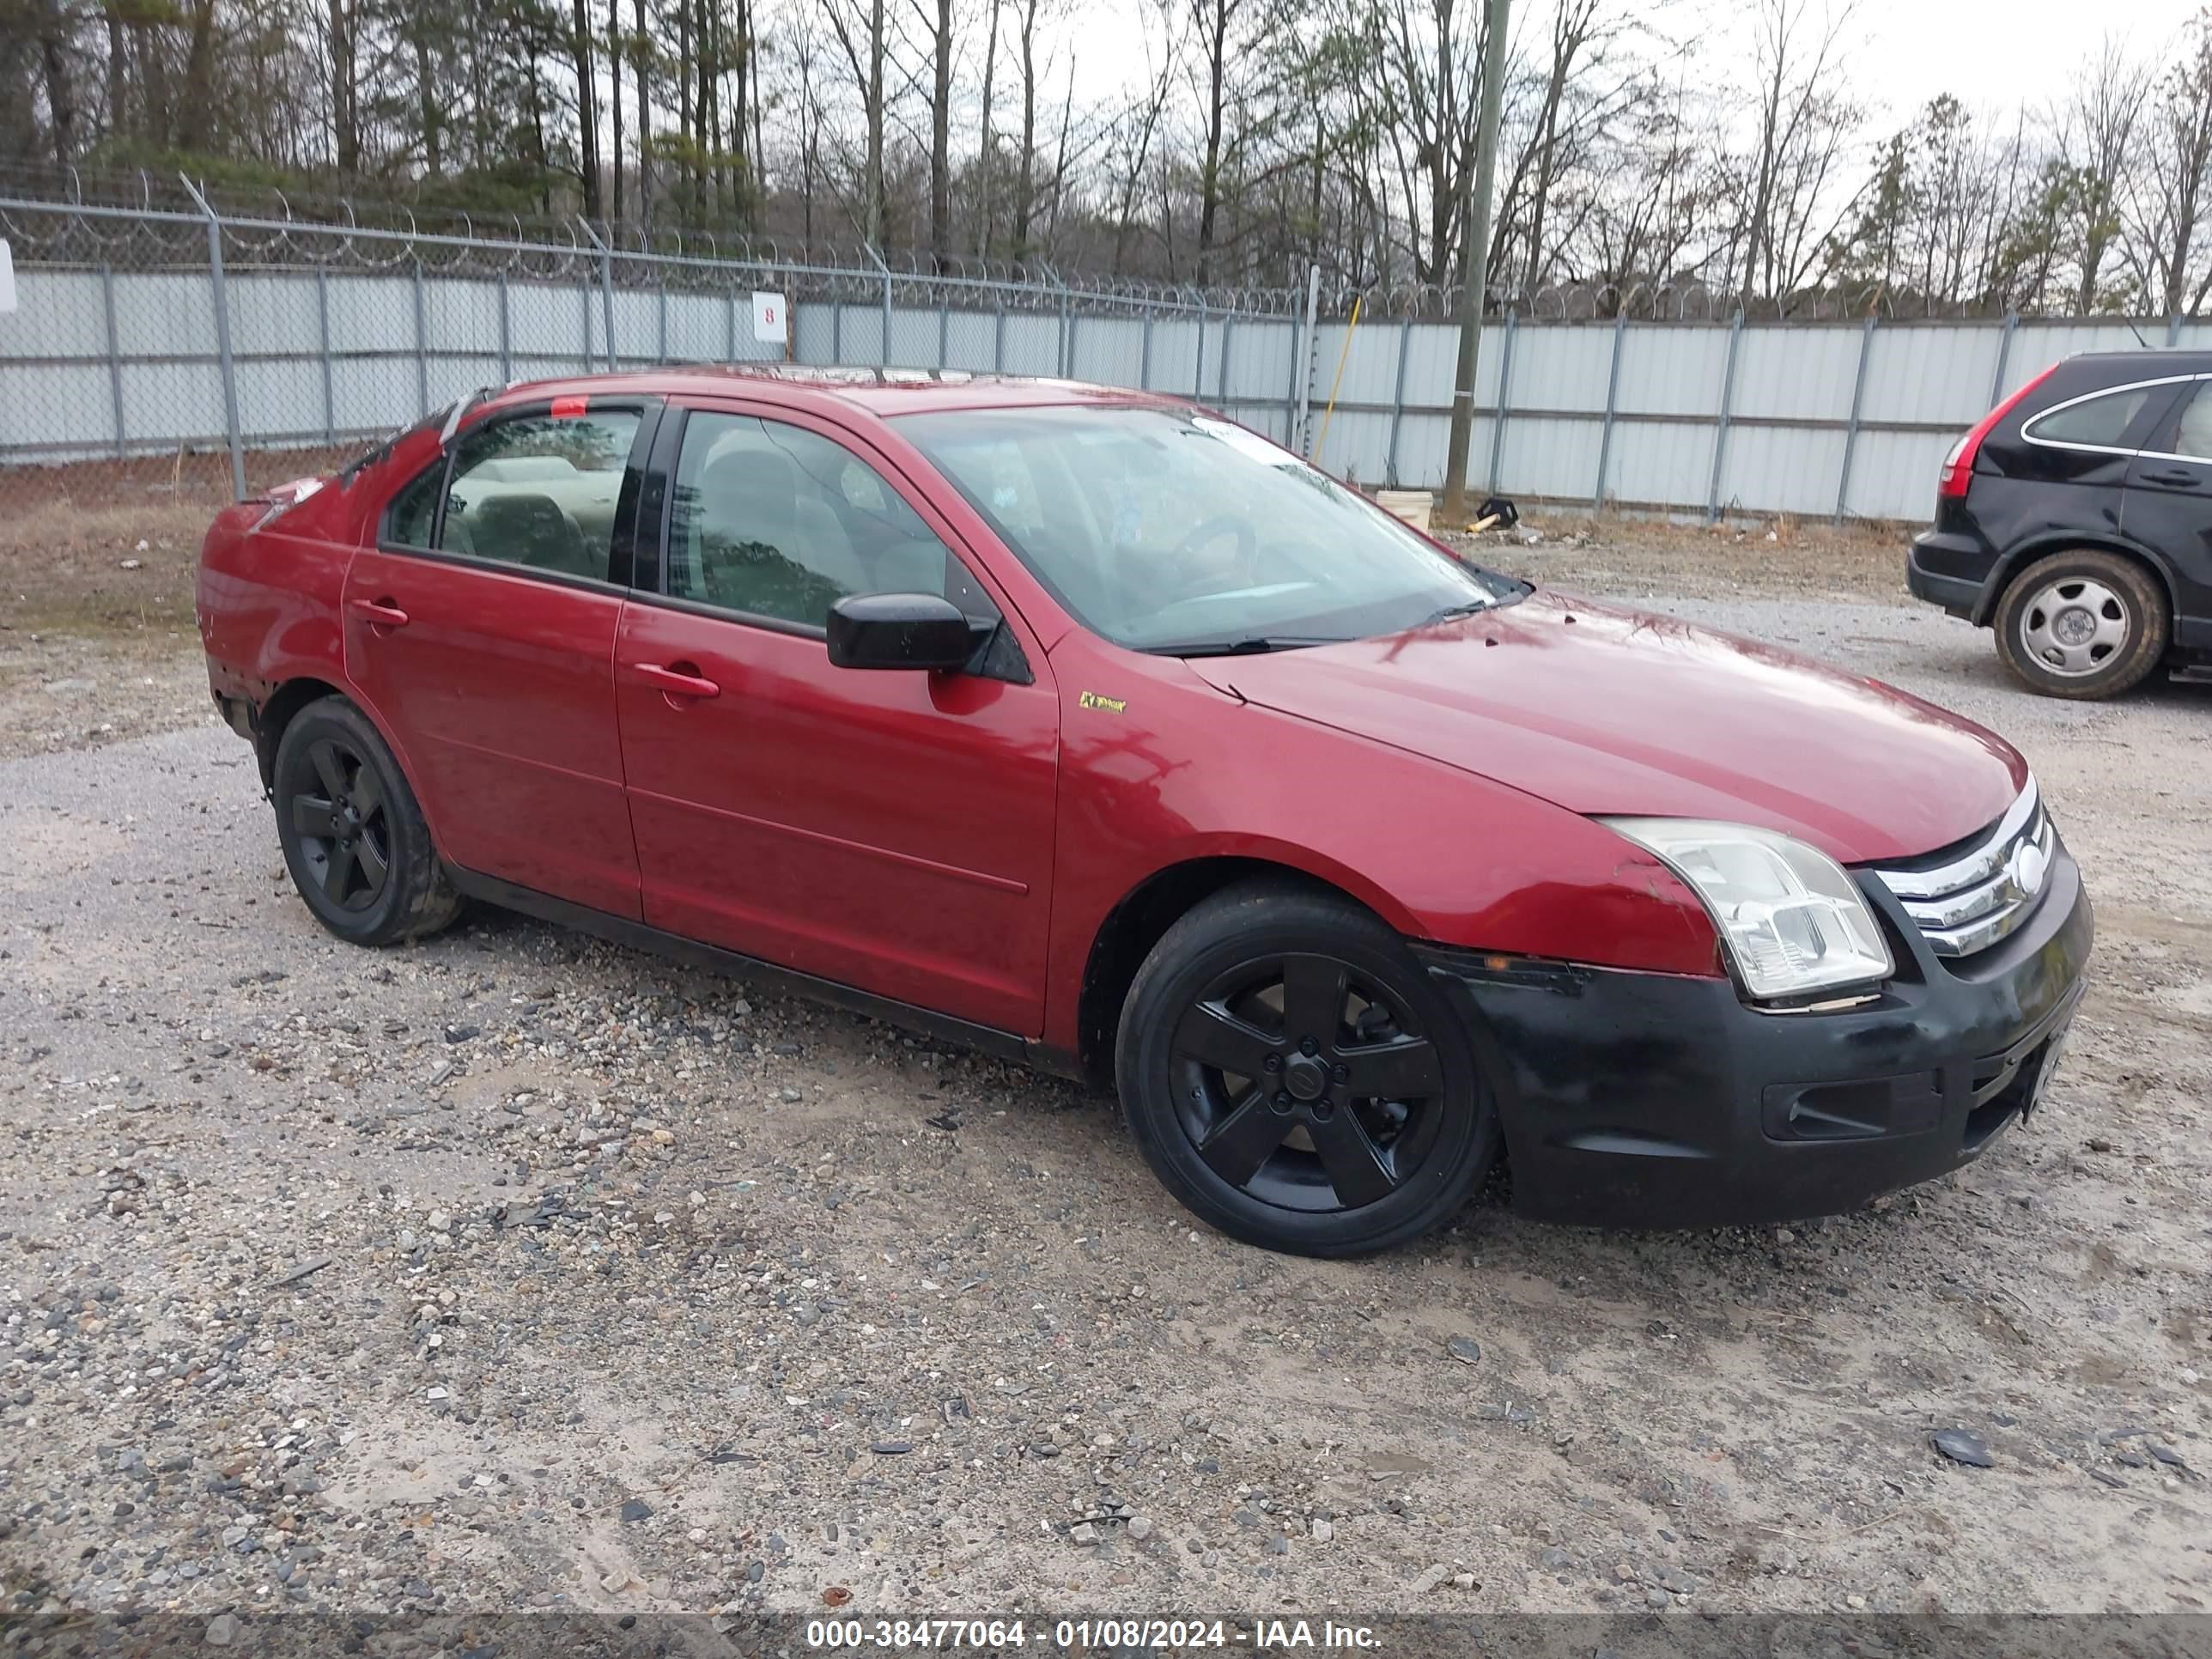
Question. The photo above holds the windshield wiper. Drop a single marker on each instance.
(1471, 608)
(1252, 646)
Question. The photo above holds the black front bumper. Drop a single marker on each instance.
(1659, 1100)
(1951, 569)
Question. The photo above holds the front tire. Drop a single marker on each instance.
(353, 835)
(1296, 1079)
(2083, 625)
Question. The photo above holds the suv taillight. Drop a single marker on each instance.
(1959, 465)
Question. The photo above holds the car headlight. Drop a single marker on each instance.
(1792, 921)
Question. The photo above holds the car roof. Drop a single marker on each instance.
(880, 391)
(2145, 365)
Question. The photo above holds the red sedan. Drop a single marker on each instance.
(1085, 727)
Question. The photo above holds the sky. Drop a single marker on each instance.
(1996, 53)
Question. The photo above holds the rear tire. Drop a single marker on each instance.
(2083, 625)
(1295, 1077)
(353, 835)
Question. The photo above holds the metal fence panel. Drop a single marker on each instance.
(971, 341)
(1783, 469)
(1792, 374)
(1930, 372)
(1032, 344)
(1564, 366)
(1659, 463)
(1671, 370)
(1550, 456)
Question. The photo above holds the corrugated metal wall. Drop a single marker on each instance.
(1816, 419)
(1812, 419)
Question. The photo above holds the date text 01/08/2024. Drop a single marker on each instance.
(1085, 1635)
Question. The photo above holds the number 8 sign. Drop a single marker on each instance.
(768, 317)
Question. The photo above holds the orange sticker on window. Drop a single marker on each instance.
(569, 409)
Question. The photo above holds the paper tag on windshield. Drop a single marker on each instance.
(1251, 445)
(7, 277)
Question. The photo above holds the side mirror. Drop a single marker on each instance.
(899, 630)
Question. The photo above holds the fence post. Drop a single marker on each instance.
(1504, 390)
(1145, 354)
(729, 324)
(1611, 391)
(115, 354)
(1721, 430)
(662, 290)
(422, 346)
(1397, 403)
(944, 334)
(323, 339)
(1851, 429)
(222, 344)
(606, 291)
(1198, 369)
(886, 270)
(2004, 357)
(1221, 374)
(999, 334)
(584, 357)
(837, 333)
(1302, 360)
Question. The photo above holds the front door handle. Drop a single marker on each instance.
(382, 612)
(2172, 475)
(681, 681)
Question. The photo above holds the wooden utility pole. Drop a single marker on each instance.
(1474, 262)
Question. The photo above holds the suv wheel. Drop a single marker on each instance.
(1295, 1078)
(353, 835)
(2084, 625)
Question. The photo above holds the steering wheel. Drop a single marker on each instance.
(1248, 539)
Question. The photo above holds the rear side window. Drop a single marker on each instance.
(2101, 422)
(2192, 432)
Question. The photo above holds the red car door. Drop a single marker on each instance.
(481, 630)
(892, 830)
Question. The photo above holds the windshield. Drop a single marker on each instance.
(1172, 531)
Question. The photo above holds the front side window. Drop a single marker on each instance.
(1172, 531)
(535, 490)
(774, 520)
(2101, 422)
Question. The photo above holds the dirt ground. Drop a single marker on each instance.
(513, 1270)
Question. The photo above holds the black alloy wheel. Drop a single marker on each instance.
(352, 836)
(346, 837)
(1293, 1076)
(1301, 1084)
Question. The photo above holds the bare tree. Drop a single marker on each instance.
(2096, 136)
(1805, 127)
(2169, 196)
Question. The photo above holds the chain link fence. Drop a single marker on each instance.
(168, 354)
(195, 354)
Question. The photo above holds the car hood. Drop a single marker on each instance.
(1604, 710)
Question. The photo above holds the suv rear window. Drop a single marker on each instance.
(2101, 421)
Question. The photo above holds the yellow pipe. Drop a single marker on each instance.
(1357, 299)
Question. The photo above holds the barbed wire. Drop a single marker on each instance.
(142, 218)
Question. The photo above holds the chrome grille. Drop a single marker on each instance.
(1975, 898)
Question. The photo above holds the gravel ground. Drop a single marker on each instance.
(513, 1270)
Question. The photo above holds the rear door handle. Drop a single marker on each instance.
(2172, 475)
(676, 681)
(382, 612)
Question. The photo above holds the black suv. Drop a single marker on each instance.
(2076, 520)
